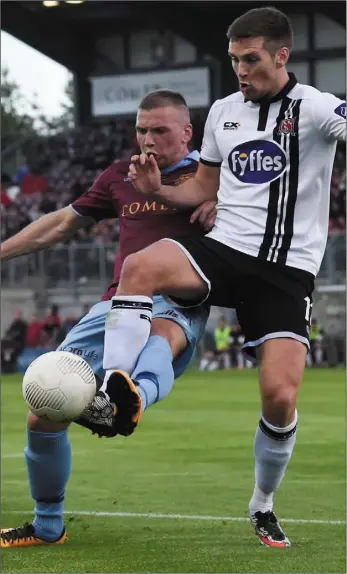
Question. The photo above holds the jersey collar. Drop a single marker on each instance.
(186, 160)
(282, 94)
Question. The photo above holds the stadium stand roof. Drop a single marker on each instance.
(67, 32)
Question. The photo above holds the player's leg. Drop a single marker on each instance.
(282, 363)
(275, 324)
(160, 268)
(48, 453)
(169, 349)
(48, 460)
(183, 269)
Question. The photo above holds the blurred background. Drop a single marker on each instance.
(73, 74)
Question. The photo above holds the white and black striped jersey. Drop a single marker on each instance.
(276, 162)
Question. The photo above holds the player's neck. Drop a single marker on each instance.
(178, 158)
(277, 87)
(281, 82)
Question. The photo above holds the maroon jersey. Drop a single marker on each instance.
(142, 221)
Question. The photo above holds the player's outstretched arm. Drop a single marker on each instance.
(45, 231)
(146, 178)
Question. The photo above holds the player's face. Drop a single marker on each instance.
(165, 132)
(256, 68)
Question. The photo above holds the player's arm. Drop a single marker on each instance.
(46, 231)
(329, 116)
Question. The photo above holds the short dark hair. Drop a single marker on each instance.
(162, 98)
(267, 22)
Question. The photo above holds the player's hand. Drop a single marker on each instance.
(144, 174)
(205, 214)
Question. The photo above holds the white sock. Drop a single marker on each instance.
(273, 447)
(127, 329)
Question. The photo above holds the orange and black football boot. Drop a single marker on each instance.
(25, 536)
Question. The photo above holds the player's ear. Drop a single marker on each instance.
(188, 133)
(281, 57)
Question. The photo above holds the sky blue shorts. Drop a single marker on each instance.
(86, 339)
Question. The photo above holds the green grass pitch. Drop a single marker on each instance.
(190, 462)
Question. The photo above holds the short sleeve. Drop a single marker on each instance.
(210, 154)
(97, 201)
(329, 116)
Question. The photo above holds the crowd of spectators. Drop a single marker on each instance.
(35, 333)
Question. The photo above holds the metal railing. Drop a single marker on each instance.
(75, 265)
(67, 267)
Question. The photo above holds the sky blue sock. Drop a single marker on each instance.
(153, 372)
(48, 458)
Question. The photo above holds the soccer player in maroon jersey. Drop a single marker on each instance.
(164, 130)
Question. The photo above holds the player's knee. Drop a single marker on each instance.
(172, 332)
(283, 399)
(279, 398)
(136, 271)
(36, 424)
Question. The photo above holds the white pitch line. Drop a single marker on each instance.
(179, 516)
(21, 454)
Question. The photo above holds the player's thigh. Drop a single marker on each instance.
(218, 265)
(268, 312)
(191, 323)
(86, 339)
(162, 268)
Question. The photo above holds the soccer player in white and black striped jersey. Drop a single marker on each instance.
(267, 154)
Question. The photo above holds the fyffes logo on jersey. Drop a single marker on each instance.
(257, 161)
(341, 111)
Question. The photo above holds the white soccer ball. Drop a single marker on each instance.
(57, 386)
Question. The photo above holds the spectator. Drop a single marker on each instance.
(221, 338)
(13, 343)
(21, 173)
(52, 328)
(32, 182)
(5, 200)
(236, 340)
(34, 333)
(315, 355)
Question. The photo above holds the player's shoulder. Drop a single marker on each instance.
(222, 103)
(223, 107)
(310, 94)
(232, 98)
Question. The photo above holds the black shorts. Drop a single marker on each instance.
(271, 300)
